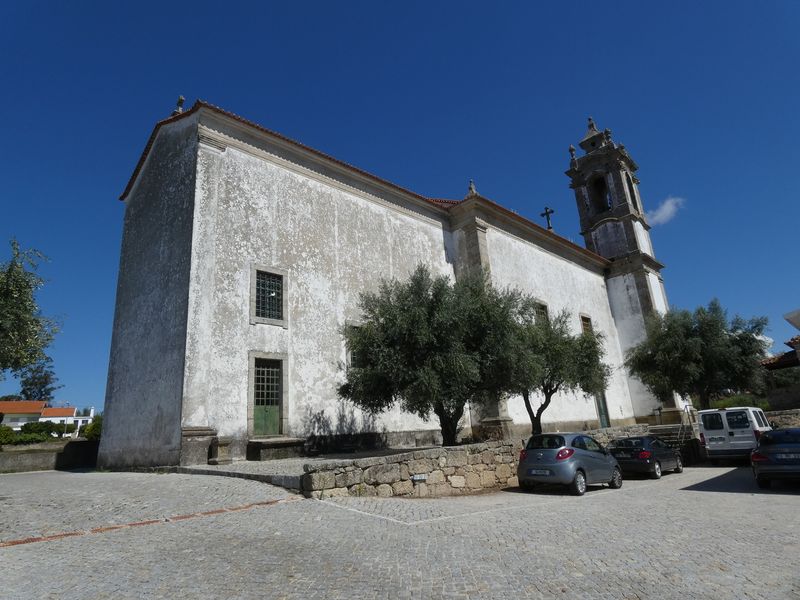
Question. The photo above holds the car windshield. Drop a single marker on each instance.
(546, 442)
(628, 443)
(791, 436)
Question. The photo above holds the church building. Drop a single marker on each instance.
(243, 257)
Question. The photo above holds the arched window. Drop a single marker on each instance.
(632, 193)
(599, 194)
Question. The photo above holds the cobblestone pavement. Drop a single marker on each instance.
(706, 533)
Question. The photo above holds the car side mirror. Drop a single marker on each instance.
(774, 425)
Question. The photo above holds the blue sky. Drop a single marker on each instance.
(428, 95)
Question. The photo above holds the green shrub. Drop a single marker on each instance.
(7, 435)
(94, 429)
(40, 427)
(741, 400)
(30, 438)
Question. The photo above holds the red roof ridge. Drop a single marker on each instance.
(440, 203)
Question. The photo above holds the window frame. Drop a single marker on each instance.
(539, 306)
(283, 273)
(586, 319)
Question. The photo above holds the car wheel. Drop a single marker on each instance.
(656, 474)
(714, 462)
(764, 484)
(578, 485)
(616, 479)
(678, 464)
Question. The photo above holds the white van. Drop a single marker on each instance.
(731, 432)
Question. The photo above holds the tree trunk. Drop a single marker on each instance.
(705, 400)
(448, 423)
(526, 396)
(536, 417)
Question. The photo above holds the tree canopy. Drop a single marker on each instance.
(701, 354)
(554, 360)
(38, 381)
(24, 332)
(431, 345)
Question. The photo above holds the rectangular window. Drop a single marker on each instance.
(541, 313)
(269, 295)
(586, 324)
(267, 390)
(737, 419)
(712, 421)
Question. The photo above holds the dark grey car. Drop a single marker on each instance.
(777, 456)
(645, 454)
(572, 459)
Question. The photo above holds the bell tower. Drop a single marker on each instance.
(613, 222)
(614, 225)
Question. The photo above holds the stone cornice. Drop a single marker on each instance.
(483, 211)
(635, 261)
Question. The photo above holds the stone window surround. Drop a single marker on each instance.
(284, 322)
(348, 356)
(583, 317)
(251, 364)
(541, 306)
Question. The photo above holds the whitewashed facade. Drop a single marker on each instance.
(216, 200)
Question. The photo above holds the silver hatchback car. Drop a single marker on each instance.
(572, 459)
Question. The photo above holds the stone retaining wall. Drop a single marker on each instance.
(435, 472)
(604, 436)
(45, 457)
(784, 418)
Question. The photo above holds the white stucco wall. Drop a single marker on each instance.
(141, 425)
(333, 242)
(627, 311)
(562, 285)
(643, 238)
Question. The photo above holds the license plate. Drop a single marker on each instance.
(787, 456)
(538, 472)
(716, 439)
(623, 455)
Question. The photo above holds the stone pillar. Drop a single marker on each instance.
(195, 445)
(494, 422)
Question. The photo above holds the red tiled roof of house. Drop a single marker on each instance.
(781, 361)
(59, 412)
(21, 407)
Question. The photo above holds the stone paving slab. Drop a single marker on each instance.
(52, 502)
(706, 533)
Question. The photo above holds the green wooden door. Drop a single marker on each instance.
(267, 394)
(602, 410)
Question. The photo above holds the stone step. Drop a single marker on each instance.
(273, 448)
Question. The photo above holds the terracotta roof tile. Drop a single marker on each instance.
(781, 361)
(21, 407)
(59, 412)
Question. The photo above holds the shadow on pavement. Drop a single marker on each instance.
(741, 481)
(551, 489)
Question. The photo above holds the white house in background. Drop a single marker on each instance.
(67, 415)
(15, 413)
(243, 257)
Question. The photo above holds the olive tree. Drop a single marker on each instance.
(700, 354)
(553, 360)
(431, 345)
(24, 332)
